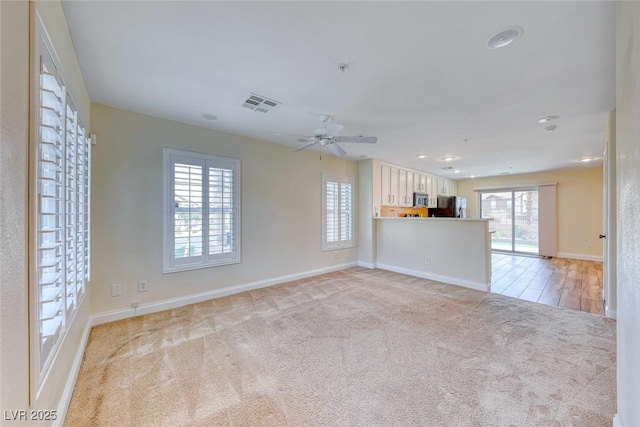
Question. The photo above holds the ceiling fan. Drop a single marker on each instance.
(328, 137)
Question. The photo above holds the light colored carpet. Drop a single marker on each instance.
(353, 348)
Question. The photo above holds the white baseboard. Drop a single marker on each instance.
(579, 256)
(67, 392)
(616, 421)
(153, 307)
(366, 264)
(479, 286)
(611, 314)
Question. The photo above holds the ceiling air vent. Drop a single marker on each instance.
(259, 103)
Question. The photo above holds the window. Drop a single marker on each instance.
(202, 210)
(60, 208)
(337, 212)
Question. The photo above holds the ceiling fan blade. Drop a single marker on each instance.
(333, 129)
(365, 139)
(294, 135)
(302, 147)
(337, 150)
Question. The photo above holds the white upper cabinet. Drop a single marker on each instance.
(390, 185)
(433, 191)
(402, 187)
(419, 182)
(410, 188)
(398, 186)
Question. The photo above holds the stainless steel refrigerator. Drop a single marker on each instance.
(450, 206)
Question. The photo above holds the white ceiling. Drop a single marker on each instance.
(420, 77)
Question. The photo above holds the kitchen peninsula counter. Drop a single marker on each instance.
(450, 250)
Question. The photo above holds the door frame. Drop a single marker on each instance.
(609, 253)
(511, 190)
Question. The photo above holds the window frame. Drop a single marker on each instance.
(170, 156)
(340, 243)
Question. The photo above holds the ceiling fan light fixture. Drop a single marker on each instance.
(422, 156)
(504, 37)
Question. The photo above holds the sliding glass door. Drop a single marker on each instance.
(515, 219)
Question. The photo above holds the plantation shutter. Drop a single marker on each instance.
(332, 209)
(188, 225)
(61, 217)
(202, 224)
(337, 212)
(50, 211)
(222, 216)
(345, 212)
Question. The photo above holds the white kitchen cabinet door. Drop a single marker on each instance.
(402, 187)
(443, 186)
(410, 188)
(419, 182)
(433, 191)
(395, 186)
(386, 185)
(390, 185)
(453, 188)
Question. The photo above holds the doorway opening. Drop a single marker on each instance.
(515, 219)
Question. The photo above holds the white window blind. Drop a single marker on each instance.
(337, 212)
(202, 227)
(60, 250)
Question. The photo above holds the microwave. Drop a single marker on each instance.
(420, 200)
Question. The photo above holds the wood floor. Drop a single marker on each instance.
(558, 281)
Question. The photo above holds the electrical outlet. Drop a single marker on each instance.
(427, 260)
(143, 286)
(116, 290)
(135, 304)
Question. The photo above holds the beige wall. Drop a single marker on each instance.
(14, 90)
(628, 206)
(579, 205)
(14, 332)
(281, 209)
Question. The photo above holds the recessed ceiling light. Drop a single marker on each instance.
(586, 159)
(547, 119)
(504, 37)
(422, 156)
(448, 158)
(472, 176)
(209, 117)
(456, 171)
